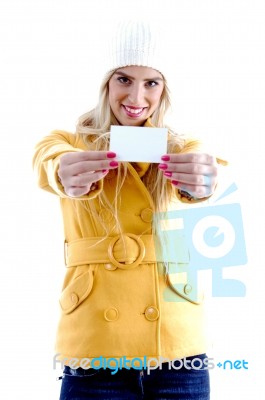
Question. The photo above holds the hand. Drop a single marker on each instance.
(195, 173)
(79, 170)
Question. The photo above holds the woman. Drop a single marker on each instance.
(118, 336)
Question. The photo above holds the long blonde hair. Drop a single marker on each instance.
(95, 126)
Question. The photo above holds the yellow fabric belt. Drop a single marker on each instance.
(124, 251)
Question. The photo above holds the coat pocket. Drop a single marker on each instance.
(183, 282)
(76, 292)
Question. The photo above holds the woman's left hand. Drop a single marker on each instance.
(195, 173)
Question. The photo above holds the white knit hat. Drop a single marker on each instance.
(136, 43)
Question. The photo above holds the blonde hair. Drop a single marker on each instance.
(94, 126)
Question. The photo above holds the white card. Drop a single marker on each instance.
(134, 143)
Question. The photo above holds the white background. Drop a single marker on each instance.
(49, 77)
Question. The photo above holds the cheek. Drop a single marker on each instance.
(156, 98)
(112, 91)
(110, 99)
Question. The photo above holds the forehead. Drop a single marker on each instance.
(139, 72)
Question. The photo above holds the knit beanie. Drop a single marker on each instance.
(136, 43)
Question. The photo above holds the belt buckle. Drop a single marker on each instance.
(138, 259)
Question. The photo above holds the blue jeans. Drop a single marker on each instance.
(132, 384)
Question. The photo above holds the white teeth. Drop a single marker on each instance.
(134, 110)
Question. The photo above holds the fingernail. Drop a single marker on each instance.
(104, 171)
(165, 158)
(110, 154)
(168, 173)
(113, 164)
(175, 182)
(162, 166)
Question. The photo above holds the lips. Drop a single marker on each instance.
(133, 111)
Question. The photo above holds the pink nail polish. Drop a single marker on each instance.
(162, 166)
(110, 154)
(175, 183)
(168, 173)
(104, 171)
(113, 164)
(165, 158)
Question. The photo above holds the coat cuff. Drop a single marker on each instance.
(185, 197)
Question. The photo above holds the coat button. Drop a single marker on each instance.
(111, 314)
(151, 313)
(74, 298)
(187, 289)
(147, 215)
(110, 267)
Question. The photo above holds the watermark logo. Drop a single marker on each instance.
(147, 363)
(235, 365)
(137, 363)
(205, 237)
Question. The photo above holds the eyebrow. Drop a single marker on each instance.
(157, 78)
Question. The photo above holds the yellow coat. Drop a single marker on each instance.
(112, 301)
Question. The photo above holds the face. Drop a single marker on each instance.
(134, 94)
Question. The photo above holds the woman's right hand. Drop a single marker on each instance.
(79, 170)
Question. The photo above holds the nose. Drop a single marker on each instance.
(136, 95)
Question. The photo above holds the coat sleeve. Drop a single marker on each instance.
(194, 146)
(46, 161)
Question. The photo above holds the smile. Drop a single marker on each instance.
(133, 112)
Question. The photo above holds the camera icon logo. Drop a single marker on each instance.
(214, 235)
(209, 236)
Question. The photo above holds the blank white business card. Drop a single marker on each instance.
(142, 144)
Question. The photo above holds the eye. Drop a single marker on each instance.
(123, 79)
(151, 83)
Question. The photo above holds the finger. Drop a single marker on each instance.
(195, 191)
(189, 168)
(87, 167)
(75, 157)
(196, 158)
(80, 186)
(77, 191)
(197, 180)
(86, 179)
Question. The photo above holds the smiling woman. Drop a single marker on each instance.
(134, 94)
(112, 301)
